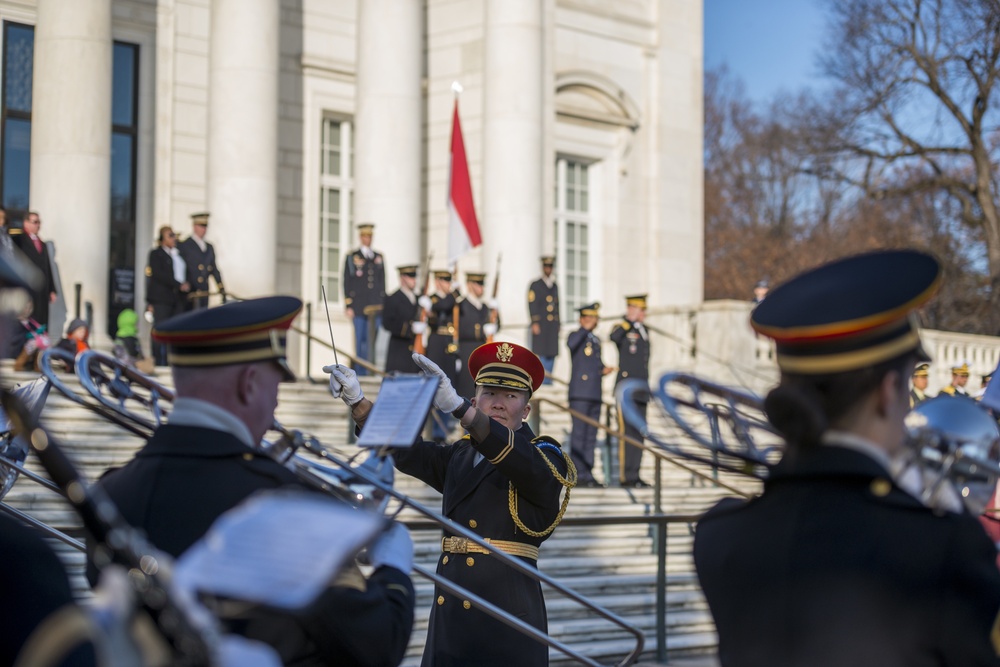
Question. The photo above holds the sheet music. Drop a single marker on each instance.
(279, 548)
(399, 412)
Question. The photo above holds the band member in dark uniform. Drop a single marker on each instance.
(227, 363)
(29, 242)
(400, 318)
(166, 291)
(632, 339)
(199, 256)
(364, 292)
(441, 346)
(474, 327)
(585, 391)
(501, 481)
(835, 563)
(918, 390)
(543, 305)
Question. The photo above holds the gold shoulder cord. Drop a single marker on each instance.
(569, 481)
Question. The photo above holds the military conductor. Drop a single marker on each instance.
(835, 563)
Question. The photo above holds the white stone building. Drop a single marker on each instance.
(291, 121)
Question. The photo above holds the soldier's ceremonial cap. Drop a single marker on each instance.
(199, 218)
(962, 369)
(235, 333)
(639, 301)
(922, 370)
(548, 260)
(442, 274)
(591, 309)
(506, 365)
(408, 270)
(366, 228)
(475, 277)
(850, 313)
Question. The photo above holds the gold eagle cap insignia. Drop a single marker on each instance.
(505, 352)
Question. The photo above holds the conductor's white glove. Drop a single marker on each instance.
(425, 302)
(418, 327)
(344, 384)
(489, 329)
(394, 548)
(493, 304)
(446, 399)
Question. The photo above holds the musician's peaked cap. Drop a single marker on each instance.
(850, 313)
(235, 333)
(506, 365)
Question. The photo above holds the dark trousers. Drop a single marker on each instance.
(629, 456)
(363, 328)
(583, 438)
(161, 313)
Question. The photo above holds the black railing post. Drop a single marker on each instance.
(77, 291)
(661, 569)
(89, 319)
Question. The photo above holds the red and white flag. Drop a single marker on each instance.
(463, 228)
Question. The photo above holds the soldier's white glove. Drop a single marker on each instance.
(489, 329)
(425, 302)
(493, 304)
(344, 384)
(418, 327)
(394, 548)
(446, 399)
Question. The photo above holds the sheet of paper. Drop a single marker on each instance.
(399, 412)
(279, 548)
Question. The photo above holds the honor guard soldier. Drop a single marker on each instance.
(199, 256)
(364, 292)
(227, 364)
(585, 392)
(442, 347)
(474, 326)
(543, 305)
(400, 317)
(499, 480)
(835, 563)
(918, 390)
(632, 340)
(959, 378)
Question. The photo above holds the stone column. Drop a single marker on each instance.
(71, 149)
(513, 152)
(243, 142)
(388, 124)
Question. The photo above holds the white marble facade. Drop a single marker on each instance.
(233, 96)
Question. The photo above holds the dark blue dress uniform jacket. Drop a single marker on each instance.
(185, 477)
(587, 367)
(364, 283)
(477, 497)
(633, 351)
(835, 566)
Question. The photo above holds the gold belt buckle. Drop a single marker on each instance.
(460, 545)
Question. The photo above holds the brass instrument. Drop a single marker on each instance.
(950, 458)
(111, 385)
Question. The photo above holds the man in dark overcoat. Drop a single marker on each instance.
(474, 326)
(199, 256)
(585, 391)
(501, 481)
(364, 292)
(29, 242)
(400, 315)
(631, 338)
(166, 293)
(543, 306)
(227, 363)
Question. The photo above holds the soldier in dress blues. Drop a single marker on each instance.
(441, 346)
(959, 378)
(836, 563)
(364, 292)
(199, 256)
(585, 391)
(918, 389)
(632, 339)
(543, 305)
(400, 317)
(474, 326)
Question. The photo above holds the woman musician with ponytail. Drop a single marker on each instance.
(835, 563)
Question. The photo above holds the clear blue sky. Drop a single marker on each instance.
(770, 44)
